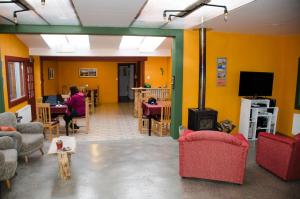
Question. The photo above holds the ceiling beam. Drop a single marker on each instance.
(54, 29)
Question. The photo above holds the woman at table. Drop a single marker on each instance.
(76, 107)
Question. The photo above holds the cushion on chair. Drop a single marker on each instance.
(7, 128)
(214, 136)
(31, 142)
(10, 164)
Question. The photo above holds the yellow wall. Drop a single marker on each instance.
(10, 45)
(288, 71)
(243, 52)
(37, 77)
(153, 73)
(51, 86)
(190, 73)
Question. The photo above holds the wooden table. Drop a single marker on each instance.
(58, 109)
(151, 110)
(63, 157)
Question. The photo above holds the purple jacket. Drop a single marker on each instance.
(76, 103)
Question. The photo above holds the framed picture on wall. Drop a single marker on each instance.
(88, 72)
(50, 73)
(221, 71)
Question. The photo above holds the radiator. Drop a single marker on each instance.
(25, 113)
(296, 124)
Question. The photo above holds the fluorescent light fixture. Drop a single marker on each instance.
(154, 9)
(207, 13)
(131, 42)
(150, 44)
(67, 43)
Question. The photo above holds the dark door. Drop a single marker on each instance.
(30, 86)
(126, 76)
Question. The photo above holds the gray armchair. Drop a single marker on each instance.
(28, 137)
(8, 159)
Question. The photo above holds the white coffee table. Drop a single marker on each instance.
(63, 157)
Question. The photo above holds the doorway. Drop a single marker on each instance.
(127, 77)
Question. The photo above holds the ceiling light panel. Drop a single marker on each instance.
(67, 43)
(56, 12)
(26, 17)
(206, 12)
(112, 13)
(150, 44)
(152, 14)
(55, 41)
(79, 42)
(131, 42)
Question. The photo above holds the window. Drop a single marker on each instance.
(16, 80)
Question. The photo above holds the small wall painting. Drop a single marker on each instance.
(221, 71)
(50, 73)
(88, 72)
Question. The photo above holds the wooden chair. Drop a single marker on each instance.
(143, 122)
(92, 101)
(43, 115)
(162, 124)
(86, 118)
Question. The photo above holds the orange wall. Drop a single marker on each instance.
(153, 73)
(67, 73)
(10, 45)
(106, 79)
(51, 86)
(243, 52)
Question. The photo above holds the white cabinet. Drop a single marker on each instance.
(256, 115)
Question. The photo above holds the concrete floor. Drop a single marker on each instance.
(136, 169)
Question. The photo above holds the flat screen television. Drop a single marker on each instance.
(256, 84)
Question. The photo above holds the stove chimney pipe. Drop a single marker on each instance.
(202, 68)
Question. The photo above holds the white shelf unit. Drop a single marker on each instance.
(257, 115)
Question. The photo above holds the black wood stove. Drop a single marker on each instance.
(202, 118)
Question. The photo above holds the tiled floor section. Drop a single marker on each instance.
(110, 122)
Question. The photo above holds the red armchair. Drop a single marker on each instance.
(213, 155)
(279, 155)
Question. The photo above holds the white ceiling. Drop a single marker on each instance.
(112, 13)
(259, 17)
(278, 17)
(100, 46)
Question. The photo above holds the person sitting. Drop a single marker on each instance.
(76, 107)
